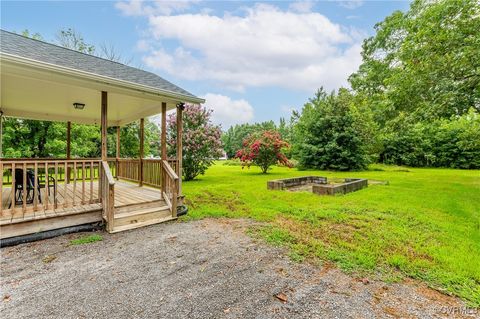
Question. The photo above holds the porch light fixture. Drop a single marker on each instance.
(78, 106)
(181, 106)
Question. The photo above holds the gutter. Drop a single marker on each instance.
(83, 75)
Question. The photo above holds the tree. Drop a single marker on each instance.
(423, 62)
(72, 39)
(419, 78)
(264, 150)
(29, 138)
(443, 143)
(284, 129)
(130, 139)
(109, 52)
(201, 140)
(233, 138)
(326, 133)
(86, 140)
(35, 36)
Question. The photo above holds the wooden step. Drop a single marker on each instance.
(126, 214)
(139, 215)
(133, 207)
(149, 222)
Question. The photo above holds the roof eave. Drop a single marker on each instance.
(98, 78)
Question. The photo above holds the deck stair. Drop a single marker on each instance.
(140, 215)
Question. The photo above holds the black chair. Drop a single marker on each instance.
(30, 186)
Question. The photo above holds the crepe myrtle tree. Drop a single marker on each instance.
(201, 145)
(264, 149)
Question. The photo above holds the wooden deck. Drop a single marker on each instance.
(65, 214)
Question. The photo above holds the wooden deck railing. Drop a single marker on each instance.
(153, 172)
(62, 176)
(35, 185)
(45, 185)
(129, 169)
(107, 185)
(170, 189)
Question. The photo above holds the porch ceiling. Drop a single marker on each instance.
(45, 92)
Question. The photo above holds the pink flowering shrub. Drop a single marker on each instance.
(264, 150)
(201, 140)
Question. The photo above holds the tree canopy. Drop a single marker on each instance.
(423, 64)
(326, 135)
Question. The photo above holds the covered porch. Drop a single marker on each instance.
(40, 194)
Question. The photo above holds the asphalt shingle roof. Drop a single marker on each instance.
(18, 45)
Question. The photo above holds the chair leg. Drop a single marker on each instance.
(39, 194)
(30, 196)
(18, 196)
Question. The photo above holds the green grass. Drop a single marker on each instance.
(425, 224)
(86, 240)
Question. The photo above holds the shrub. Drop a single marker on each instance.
(264, 150)
(457, 142)
(410, 146)
(201, 140)
(327, 134)
(451, 143)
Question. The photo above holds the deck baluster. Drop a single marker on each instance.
(47, 187)
(55, 187)
(65, 185)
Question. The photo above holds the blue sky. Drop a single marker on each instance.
(252, 61)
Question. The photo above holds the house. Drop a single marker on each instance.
(43, 81)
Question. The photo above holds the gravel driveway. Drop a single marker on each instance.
(200, 269)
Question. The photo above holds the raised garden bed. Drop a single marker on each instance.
(319, 185)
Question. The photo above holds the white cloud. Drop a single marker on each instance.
(351, 4)
(228, 112)
(302, 6)
(146, 8)
(264, 46)
(143, 45)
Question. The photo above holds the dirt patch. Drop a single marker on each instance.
(326, 233)
(199, 269)
(231, 201)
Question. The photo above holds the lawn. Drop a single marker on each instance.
(425, 224)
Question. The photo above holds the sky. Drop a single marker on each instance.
(252, 61)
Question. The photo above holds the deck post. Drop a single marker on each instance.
(104, 126)
(180, 108)
(142, 138)
(1, 135)
(67, 172)
(163, 142)
(117, 153)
